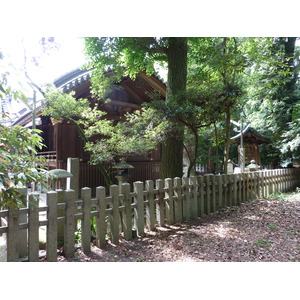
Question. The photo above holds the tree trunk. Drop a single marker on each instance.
(227, 139)
(172, 149)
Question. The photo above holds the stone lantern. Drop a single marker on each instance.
(122, 171)
(59, 175)
(253, 166)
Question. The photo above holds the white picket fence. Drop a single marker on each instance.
(122, 211)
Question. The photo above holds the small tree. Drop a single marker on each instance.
(18, 165)
(18, 146)
(63, 106)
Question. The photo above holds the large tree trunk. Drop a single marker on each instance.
(172, 149)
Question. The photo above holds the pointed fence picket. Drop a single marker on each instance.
(125, 213)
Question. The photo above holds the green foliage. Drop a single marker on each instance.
(274, 93)
(124, 56)
(63, 106)
(18, 165)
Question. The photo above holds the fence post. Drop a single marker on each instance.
(239, 188)
(69, 240)
(101, 227)
(73, 182)
(115, 217)
(234, 180)
(170, 201)
(86, 220)
(33, 228)
(194, 202)
(60, 213)
(186, 204)
(150, 208)
(127, 217)
(261, 183)
(220, 194)
(207, 200)
(22, 240)
(285, 179)
(213, 193)
(177, 200)
(160, 212)
(51, 243)
(256, 184)
(139, 209)
(271, 185)
(201, 198)
(248, 186)
(225, 191)
(13, 235)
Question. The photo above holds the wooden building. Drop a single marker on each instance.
(62, 140)
(251, 140)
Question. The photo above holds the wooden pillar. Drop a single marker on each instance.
(194, 198)
(186, 205)
(73, 182)
(86, 234)
(201, 197)
(101, 227)
(115, 217)
(160, 207)
(170, 201)
(51, 243)
(13, 235)
(177, 199)
(150, 208)
(139, 207)
(69, 238)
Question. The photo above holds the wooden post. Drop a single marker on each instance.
(243, 179)
(170, 201)
(248, 188)
(150, 208)
(213, 193)
(255, 185)
(230, 190)
(23, 234)
(73, 182)
(235, 191)
(69, 240)
(186, 204)
(225, 192)
(51, 242)
(271, 187)
(115, 220)
(127, 217)
(86, 194)
(33, 228)
(177, 200)
(207, 200)
(201, 198)
(194, 198)
(12, 235)
(262, 184)
(219, 203)
(160, 207)
(101, 227)
(139, 209)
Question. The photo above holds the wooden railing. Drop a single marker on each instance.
(50, 157)
(123, 209)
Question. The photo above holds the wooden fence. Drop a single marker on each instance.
(123, 209)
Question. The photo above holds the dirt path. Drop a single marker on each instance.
(261, 230)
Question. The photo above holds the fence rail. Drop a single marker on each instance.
(124, 210)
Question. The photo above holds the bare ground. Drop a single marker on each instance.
(265, 230)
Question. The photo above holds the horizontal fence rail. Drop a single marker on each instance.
(126, 212)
